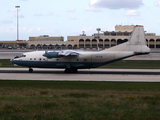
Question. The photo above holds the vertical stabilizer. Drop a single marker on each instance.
(138, 36)
(136, 42)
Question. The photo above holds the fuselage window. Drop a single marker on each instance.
(77, 59)
(43, 58)
(40, 59)
(34, 58)
(30, 58)
(85, 60)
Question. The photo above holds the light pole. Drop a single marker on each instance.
(98, 29)
(17, 23)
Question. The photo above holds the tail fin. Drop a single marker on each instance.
(136, 43)
(138, 36)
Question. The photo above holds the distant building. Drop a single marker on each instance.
(112, 38)
(44, 42)
(121, 28)
(13, 44)
(107, 39)
(46, 38)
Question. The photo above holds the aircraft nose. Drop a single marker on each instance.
(11, 59)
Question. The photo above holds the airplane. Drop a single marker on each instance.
(72, 60)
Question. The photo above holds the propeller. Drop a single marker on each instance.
(50, 55)
(54, 49)
(46, 52)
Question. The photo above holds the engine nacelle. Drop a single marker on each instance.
(51, 55)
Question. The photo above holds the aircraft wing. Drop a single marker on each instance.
(68, 52)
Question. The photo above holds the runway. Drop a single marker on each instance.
(125, 75)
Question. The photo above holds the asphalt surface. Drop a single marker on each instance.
(83, 71)
(126, 75)
(129, 75)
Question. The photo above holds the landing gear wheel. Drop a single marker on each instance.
(30, 70)
(67, 70)
(73, 70)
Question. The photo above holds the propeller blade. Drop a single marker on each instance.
(46, 51)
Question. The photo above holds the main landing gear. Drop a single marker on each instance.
(72, 70)
(30, 70)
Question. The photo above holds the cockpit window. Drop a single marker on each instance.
(22, 55)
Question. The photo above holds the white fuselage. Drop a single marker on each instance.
(83, 60)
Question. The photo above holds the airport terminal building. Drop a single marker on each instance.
(107, 39)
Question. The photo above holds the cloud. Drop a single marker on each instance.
(132, 13)
(7, 21)
(20, 15)
(50, 13)
(157, 2)
(71, 10)
(116, 4)
(12, 10)
(38, 14)
(92, 9)
(36, 30)
(11, 29)
(73, 18)
(87, 29)
(15, 10)
(24, 31)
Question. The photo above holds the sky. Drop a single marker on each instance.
(71, 17)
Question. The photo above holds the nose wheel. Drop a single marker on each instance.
(30, 70)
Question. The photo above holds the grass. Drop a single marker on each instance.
(134, 64)
(122, 64)
(62, 100)
(72, 85)
(5, 63)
